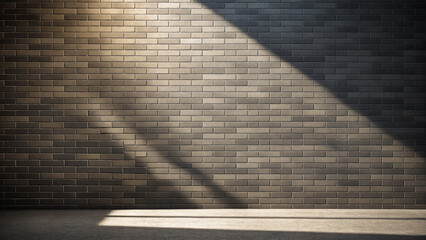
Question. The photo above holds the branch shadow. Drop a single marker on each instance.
(152, 196)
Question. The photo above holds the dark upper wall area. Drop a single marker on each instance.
(371, 55)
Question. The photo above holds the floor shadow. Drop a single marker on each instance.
(373, 65)
(169, 233)
(71, 225)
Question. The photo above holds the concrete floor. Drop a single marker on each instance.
(214, 224)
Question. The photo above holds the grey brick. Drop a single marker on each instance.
(284, 104)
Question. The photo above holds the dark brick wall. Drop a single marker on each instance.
(212, 104)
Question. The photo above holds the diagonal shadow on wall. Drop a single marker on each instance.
(150, 195)
(168, 154)
(352, 49)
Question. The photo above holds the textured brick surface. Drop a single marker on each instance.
(212, 104)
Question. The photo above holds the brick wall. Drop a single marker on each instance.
(212, 104)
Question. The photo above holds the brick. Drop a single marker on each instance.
(175, 104)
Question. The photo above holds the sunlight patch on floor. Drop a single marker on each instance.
(392, 222)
